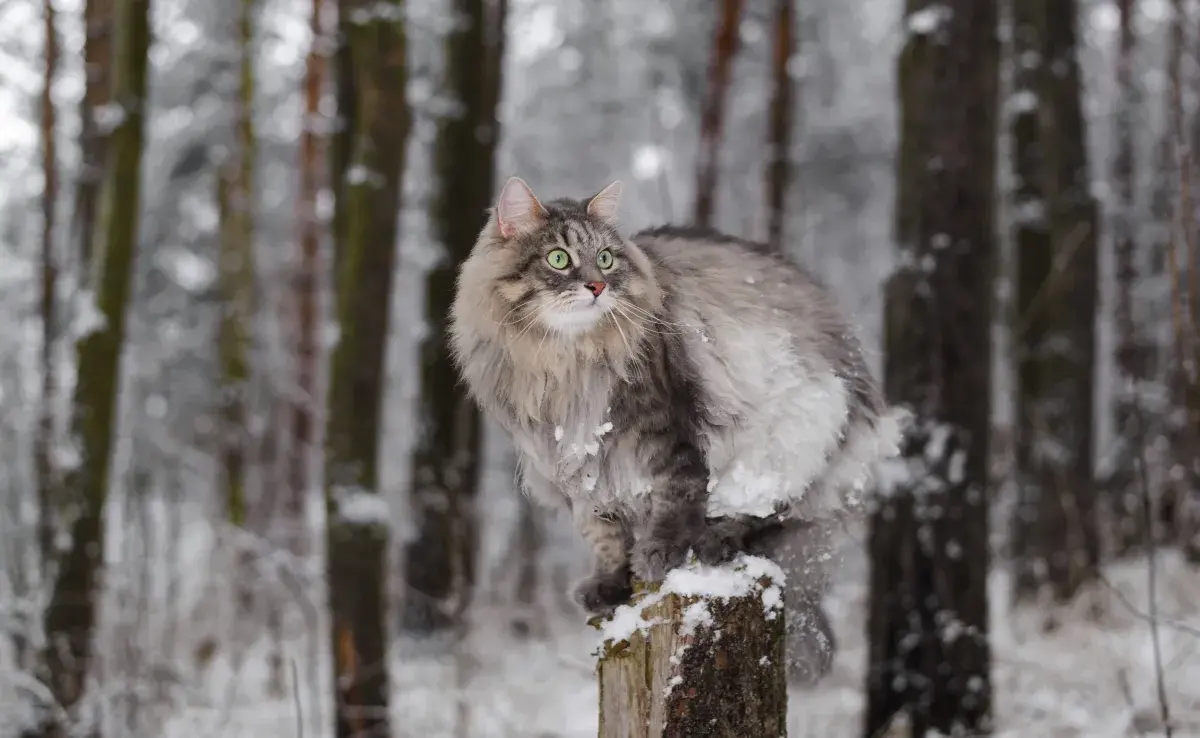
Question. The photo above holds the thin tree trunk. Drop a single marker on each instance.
(1178, 504)
(1189, 522)
(523, 558)
(357, 527)
(1056, 297)
(1176, 208)
(697, 666)
(929, 533)
(43, 460)
(341, 140)
(71, 614)
(235, 199)
(98, 23)
(1134, 348)
(304, 311)
(720, 71)
(236, 284)
(306, 292)
(780, 137)
(440, 563)
(1035, 260)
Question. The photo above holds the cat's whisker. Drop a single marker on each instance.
(534, 320)
(511, 310)
(650, 316)
(616, 314)
(646, 324)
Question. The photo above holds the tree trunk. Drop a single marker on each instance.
(357, 516)
(1182, 491)
(440, 564)
(687, 664)
(341, 139)
(1134, 347)
(720, 71)
(305, 303)
(927, 619)
(524, 554)
(98, 24)
(235, 206)
(1055, 533)
(71, 614)
(780, 137)
(1176, 494)
(43, 461)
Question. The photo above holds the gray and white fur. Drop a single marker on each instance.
(677, 390)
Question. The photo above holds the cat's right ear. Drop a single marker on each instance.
(518, 210)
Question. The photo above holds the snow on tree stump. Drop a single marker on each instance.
(700, 655)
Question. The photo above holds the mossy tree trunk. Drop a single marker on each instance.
(779, 138)
(1055, 532)
(722, 675)
(712, 117)
(43, 462)
(439, 564)
(341, 139)
(237, 448)
(366, 241)
(927, 619)
(70, 617)
(98, 26)
(235, 207)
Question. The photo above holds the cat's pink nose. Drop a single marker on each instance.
(595, 287)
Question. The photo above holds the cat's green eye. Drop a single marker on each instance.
(604, 259)
(558, 259)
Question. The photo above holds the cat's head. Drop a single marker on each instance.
(560, 265)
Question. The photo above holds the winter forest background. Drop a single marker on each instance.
(228, 232)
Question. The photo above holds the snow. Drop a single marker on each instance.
(1086, 679)
(649, 162)
(88, 317)
(927, 20)
(362, 507)
(738, 578)
(108, 117)
(189, 270)
(1022, 101)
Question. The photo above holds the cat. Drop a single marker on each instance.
(679, 390)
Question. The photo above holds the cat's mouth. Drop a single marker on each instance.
(578, 315)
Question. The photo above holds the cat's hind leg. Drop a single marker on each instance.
(610, 583)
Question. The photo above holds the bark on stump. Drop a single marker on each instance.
(703, 655)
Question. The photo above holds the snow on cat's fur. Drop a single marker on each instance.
(654, 381)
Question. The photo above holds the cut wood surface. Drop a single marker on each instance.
(701, 655)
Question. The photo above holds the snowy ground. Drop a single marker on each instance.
(1088, 678)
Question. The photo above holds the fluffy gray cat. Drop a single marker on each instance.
(677, 390)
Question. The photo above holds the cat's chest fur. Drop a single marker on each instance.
(579, 439)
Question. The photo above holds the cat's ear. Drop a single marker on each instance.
(604, 205)
(518, 210)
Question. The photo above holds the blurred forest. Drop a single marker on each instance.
(243, 492)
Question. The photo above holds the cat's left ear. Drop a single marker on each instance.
(518, 210)
(604, 205)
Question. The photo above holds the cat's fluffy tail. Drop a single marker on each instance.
(804, 545)
(805, 552)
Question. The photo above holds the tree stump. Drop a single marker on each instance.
(700, 655)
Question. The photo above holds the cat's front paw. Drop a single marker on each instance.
(654, 556)
(720, 542)
(602, 593)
